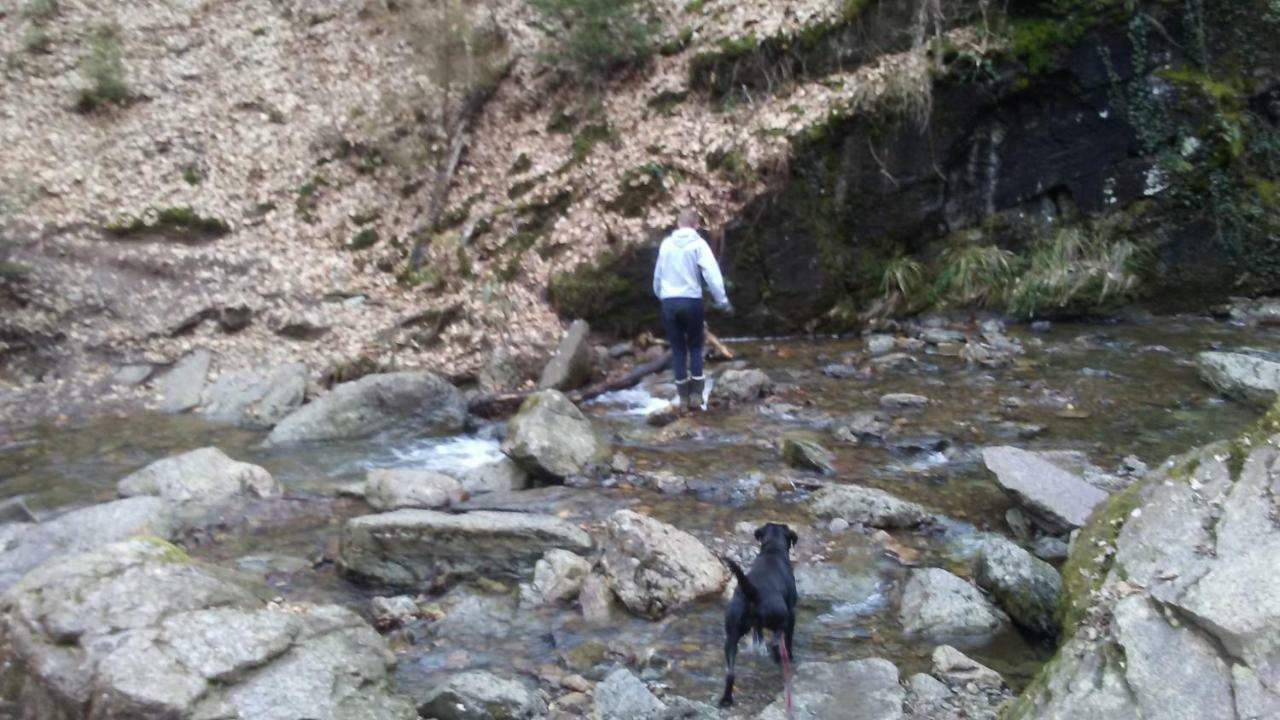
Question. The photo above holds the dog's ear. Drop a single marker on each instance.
(760, 533)
(792, 537)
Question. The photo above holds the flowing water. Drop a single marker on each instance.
(1108, 391)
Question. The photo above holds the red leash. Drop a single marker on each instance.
(786, 673)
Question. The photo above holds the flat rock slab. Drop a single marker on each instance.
(868, 506)
(200, 484)
(1251, 377)
(938, 605)
(570, 366)
(855, 690)
(421, 402)
(409, 547)
(182, 387)
(1057, 499)
(253, 399)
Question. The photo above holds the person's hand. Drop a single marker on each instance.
(727, 308)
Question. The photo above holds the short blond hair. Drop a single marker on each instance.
(688, 217)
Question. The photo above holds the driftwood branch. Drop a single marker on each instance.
(490, 406)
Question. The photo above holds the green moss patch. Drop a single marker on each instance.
(1092, 555)
(173, 223)
(366, 238)
(614, 294)
(641, 188)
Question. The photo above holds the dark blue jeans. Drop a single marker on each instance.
(682, 317)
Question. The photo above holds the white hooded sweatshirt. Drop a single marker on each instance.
(683, 256)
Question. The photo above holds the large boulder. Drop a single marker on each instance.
(1172, 598)
(138, 630)
(420, 401)
(854, 690)
(26, 545)
(408, 547)
(501, 475)
(256, 399)
(182, 387)
(806, 454)
(480, 695)
(1057, 500)
(570, 367)
(550, 437)
(868, 506)
(201, 484)
(1026, 587)
(939, 606)
(1251, 376)
(395, 488)
(655, 568)
(742, 385)
(621, 696)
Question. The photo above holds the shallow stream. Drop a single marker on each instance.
(1109, 391)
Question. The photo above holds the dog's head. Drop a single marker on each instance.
(777, 535)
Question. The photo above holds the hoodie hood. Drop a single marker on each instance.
(684, 237)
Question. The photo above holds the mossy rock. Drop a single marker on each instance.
(614, 294)
(181, 224)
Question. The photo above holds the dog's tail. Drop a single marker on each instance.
(744, 582)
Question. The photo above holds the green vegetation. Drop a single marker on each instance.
(178, 223)
(665, 102)
(36, 40)
(170, 553)
(537, 220)
(103, 70)
(1092, 555)
(641, 188)
(366, 238)
(40, 10)
(677, 44)
(1075, 269)
(521, 165)
(521, 188)
(596, 37)
(733, 165)
(308, 198)
(191, 175)
(609, 293)
(903, 286)
(13, 272)
(587, 139)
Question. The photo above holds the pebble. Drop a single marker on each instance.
(838, 525)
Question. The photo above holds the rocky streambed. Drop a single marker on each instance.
(935, 472)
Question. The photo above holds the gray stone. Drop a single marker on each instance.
(840, 371)
(557, 577)
(955, 668)
(392, 611)
(480, 695)
(1056, 499)
(938, 605)
(256, 400)
(655, 568)
(927, 690)
(1025, 587)
(621, 696)
(418, 401)
(868, 506)
(570, 366)
(866, 426)
(502, 475)
(504, 371)
(855, 690)
(937, 336)
(1252, 378)
(903, 400)
(742, 385)
(891, 361)
(833, 584)
(599, 605)
(132, 375)
(395, 488)
(138, 630)
(550, 437)
(15, 510)
(880, 344)
(804, 453)
(182, 386)
(28, 545)
(1049, 548)
(408, 547)
(201, 485)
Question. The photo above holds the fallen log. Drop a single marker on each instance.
(719, 347)
(491, 406)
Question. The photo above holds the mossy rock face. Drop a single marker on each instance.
(178, 224)
(614, 294)
(641, 189)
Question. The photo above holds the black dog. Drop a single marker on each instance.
(765, 600)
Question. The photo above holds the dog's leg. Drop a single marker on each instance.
(788, 634)
(730, 660)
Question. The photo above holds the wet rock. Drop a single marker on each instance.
(419, 401)
(1057, 500)
(620, 464)
(26, 545)
(15, 510)
(182, 386)
(665, 482)
(864, 427)
(986, 355)
(803, 453)
(880, 344)
(480, 695)
(868, 506)
(408, 547)
(1025, 587)
(891, 361)
(903, 400)
(467, 614)
(138, 630)
(599, 605)
(957, 669)
(1250, 376)
(830, 583)
(855, 690)
(570, 366)
(937, 336)
(622, 695)
(557, 577)
(200, 485)
(395, 488)
(392, 612)
(255, 400)
(1256, 311)
(498, 476)
(841, 372)
(272, 564)
(1018, 524)
(1041, 326)
(742, 385)
(1131, 466)
(926, 690)
(938, 605)
(655, 568)
(1018, 430)
(1049, 548)
(132, 375)
(550, 437)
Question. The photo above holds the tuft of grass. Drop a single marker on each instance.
(587, 139)
(103, 70)
(596, 37)
(36, 40)
(191, 175)
(1075, 268)
(366, 238)
(903, 286)
(974, 275)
